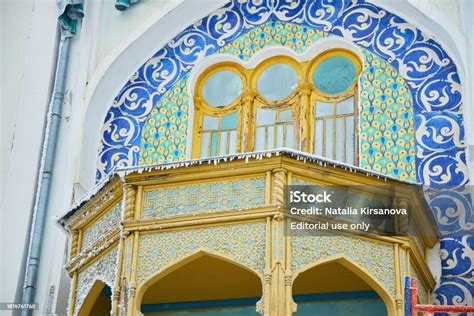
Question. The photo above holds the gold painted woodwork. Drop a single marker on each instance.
(277, 277)
(130, 192)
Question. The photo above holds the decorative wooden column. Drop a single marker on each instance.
(74, 244)
(118, 278)
(265, 305)
(72, 298)
(128, 213)
(130, 194)
(132, 289)
(290, 306)
(278, 188)
(74, 251)
(398, 281)
(278, 299)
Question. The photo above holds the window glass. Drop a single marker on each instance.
(334, 110)
(210, 123)
(334, 75)
(277, 82)
(285, 116)
(223, 149)
(329, 138)
(219, 135)
(260, 138)
(340, 135)
(290, 136)
(214, 139)
(270, 137)
(334, 132)
(350, 139)
(346, 106)
(279, 135)
(318, 138)
(233, 142)
(265, 117)
(274, 129)
(229, 121)
(205, 142)
(221, 88)
(324, 109)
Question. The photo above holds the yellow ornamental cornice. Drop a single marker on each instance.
(84, 258)
(92, 204)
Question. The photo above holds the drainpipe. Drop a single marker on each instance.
(70, 12)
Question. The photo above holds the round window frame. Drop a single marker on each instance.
(322, 96)
(274, 60)
(218, 67)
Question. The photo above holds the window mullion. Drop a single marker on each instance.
(305, 120)
(246, 135)
(312, 122)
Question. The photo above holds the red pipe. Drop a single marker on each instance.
(413, 297)
(444, 308)
(432, 308)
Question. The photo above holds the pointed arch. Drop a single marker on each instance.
(87, 306)
(360, 272)
(181, 262)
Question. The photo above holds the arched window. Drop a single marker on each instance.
(309, 106)
(218, 111)
(276, 103)
(334, 75)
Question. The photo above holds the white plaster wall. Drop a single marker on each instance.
(110, 46)
(115, 26)
(466, 9)
(92, 51)
(28, 34)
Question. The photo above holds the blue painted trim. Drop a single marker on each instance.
(199, 304)
(253, 300)
(106, 291)
(335, 296)
(406, 293)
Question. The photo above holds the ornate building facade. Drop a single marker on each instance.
(179, 134)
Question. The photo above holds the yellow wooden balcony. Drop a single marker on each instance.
(210, 235)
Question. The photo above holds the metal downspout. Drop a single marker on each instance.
(70, 12)
(46, 171)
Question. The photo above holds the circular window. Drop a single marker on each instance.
(277, 82)
(334, 75)
(221, 88)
